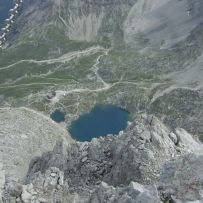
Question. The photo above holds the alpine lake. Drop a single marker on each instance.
(102, 120)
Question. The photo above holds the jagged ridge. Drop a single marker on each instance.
(123, 168)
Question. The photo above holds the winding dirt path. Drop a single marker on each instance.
(62, 59)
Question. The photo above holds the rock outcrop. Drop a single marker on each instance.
(122, 168)
(134, 192)
(24, 134)
(181, 179)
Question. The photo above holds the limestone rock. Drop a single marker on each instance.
(188, 141)
(121, 168)
(132, 193)
(25, 134)
(182, 179)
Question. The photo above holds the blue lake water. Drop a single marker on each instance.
(58, 116)
(5, 5)
(100, 121)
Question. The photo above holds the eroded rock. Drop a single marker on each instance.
(122, 168)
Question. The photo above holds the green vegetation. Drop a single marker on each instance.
(24, 70)
(50, 42)
(135, 76)
(19, 92)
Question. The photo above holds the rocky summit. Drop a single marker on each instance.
(61, 59)
(148, 162)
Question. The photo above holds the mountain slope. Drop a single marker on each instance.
(151, 50)
(163, 23)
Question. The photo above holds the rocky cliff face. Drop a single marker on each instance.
(123, 168)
